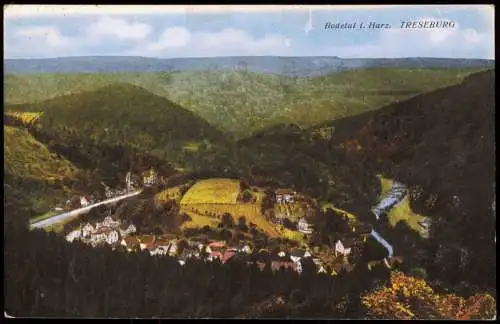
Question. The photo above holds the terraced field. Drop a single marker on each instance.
(210, 191)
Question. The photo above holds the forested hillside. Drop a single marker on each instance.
(243, 102)
(34, 178)
(122, 114)
(441, 144)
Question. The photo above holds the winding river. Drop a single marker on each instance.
(392, 198)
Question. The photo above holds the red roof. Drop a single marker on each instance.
(227, 255)
(261, 265)
(218, 244)
(284, 192)
(131, 240)
(216, 254)
(276, 265)
(103, 230)
(147, 239)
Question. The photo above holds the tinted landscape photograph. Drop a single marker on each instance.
(249, 162)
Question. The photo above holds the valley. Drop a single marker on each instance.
(342, 180)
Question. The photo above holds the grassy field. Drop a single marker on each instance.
(250, 211)
(197, 220)
(293, 211)
(294, 236)
(172, 193)
(385, 185)
(243, 102)
(191, 146)
(220, 191)
(403, 212)
(351, 217)
(59, 227)
(26, 117)
(43, 216)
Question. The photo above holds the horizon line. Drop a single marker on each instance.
(252, 56)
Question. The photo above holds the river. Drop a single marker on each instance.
(392, 198)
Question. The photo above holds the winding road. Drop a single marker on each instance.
(59, 218)
(395, 195)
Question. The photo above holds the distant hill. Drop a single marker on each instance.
(245, 102)
(296, 66)
(122, 113)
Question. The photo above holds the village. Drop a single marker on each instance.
(117, 234)
(123, 235)
(149, 178)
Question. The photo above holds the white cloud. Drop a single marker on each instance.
(171, 37)
(118, 28)
(20, 11)
(48, 41)
(49, 35)
(179, 41)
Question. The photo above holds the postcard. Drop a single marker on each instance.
(249, 162)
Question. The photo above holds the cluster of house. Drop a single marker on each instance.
(194, 249)
(151, 177)
(303, 225)
(287, 260)
(219, 251)
(288, 196)
(116, 192)
(108, 231)
(285, 196)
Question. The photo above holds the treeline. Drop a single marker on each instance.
(75, 280)
(109, 162)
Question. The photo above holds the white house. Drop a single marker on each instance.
(246, 249)
(109, 222)
(98, 237)
(295, 258)
(130, 229)
(87, 230)
(303, 226)
(281, 254)
(172, 250)
(307, 254)
(73, 235)
(84, 202)
(321, 269)
(339, 249)
(160, 250)
(284, 196)
(150, 178)
(112, 237)
(298, 266)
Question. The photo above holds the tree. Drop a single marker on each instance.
(183, 244)
(242, 224)
(411, 298)
(247, 196)
(289, 224)
(227, 220)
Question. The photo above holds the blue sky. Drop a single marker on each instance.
(171, 31)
